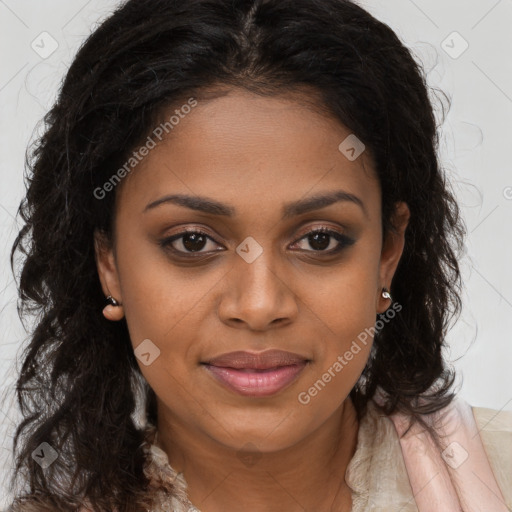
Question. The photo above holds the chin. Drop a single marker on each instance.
(269, 431)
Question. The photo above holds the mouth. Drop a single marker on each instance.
(257, 375)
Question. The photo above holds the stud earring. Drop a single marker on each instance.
(386, 294)
(112, 301)
(113, 310)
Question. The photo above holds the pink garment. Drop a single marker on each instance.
(456, 478)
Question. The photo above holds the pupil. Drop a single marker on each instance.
(190, 241)
(319, 238)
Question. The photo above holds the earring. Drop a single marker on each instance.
(385, 293)
(113, 310)
(112, 301)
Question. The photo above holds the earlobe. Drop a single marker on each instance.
(113, 313)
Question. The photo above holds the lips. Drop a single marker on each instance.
(257, 375)
(257, 361)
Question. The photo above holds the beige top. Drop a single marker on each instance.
(376, 473)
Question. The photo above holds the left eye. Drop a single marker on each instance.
(320, 239)
(194, 241)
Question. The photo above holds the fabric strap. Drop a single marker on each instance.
(458, 477)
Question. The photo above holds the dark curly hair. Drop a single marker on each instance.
(79, 386)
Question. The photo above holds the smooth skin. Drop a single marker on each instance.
(254, 154)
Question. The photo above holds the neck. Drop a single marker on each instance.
(306, 476)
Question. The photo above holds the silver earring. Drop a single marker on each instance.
(385, 293)
(112, 301)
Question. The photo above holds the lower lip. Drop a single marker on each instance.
(256, 383)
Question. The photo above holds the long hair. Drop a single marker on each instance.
(79, 386)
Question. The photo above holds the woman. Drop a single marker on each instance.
(254, 190)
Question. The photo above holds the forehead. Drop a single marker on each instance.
(252, 151)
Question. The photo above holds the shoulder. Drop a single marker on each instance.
(495, 429)
(493, 420)
(482, 436)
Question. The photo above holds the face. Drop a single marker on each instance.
(251, 262)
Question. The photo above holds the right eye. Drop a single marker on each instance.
(190, 241)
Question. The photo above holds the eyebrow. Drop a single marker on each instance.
(294, 208)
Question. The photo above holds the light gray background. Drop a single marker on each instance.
(476, 150)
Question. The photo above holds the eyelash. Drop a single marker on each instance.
(344, 241)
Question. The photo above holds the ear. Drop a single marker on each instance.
(107, 271)
(392, 249)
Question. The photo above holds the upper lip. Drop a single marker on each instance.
(259, 361)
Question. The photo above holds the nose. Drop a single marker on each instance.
(257, 297)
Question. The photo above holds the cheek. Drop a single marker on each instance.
(345, 313)
(344, 298)
(161, 301)
(341, 356)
